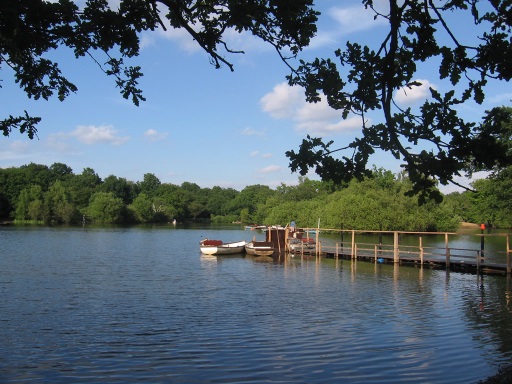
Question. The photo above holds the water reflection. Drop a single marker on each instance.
(146, 306)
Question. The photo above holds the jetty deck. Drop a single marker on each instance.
(448, 255)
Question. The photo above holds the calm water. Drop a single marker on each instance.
(143, 305)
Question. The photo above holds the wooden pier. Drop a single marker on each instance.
(448, 256)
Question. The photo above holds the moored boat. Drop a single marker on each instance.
(259, 248)
(300, 245)
(253, 227)
(218, 247)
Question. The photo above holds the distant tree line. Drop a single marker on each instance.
(37, 193)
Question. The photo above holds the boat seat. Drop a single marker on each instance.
(212, 242)
(263, 244)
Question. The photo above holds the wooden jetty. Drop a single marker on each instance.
(448, 256)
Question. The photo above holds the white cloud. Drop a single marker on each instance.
(19, 146)
(15, 150)
(90, 134)
(501, 98)
(153, 135)
(339, 22)
(320, 111)
(251, 132)
(355, 19)
(322, 127)
(245, 41)
(270, 169)
(289, 102)
(179, 36)
(262, 155)
(283, 101)
(147, 40)
(55, 143)
(462, 180)
(415, 93)
(235, 41)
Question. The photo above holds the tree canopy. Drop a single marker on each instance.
(37, 194)
(434, 142)
(31, 29)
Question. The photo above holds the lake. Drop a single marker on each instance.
(141, 304)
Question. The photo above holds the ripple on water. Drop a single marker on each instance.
(125, 306)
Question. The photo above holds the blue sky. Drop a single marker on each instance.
(212, 127)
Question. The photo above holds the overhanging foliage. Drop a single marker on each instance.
(434, 142)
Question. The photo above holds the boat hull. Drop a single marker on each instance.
(217, 247)
(259, 248)
(300, 245)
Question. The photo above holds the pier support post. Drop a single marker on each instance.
(318, 246)
(396, 257)
(509, 266)
(482, 239)
(421, 250)
(447, 251)
(352, 253)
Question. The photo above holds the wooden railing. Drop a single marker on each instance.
(397, 252)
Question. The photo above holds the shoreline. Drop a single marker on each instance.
(504, 376)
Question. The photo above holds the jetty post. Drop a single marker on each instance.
(447, 247)
(318, 246)
(421, 250)
(396, 257)
(482, 239)
(352, 252)
(509, 266)
(342, 233)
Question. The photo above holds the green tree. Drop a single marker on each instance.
(37, 174)
(32, 28)
(149, 185)
(142, 208)
(305, 189)
(493, 197)
(496, 134)
(14, 180)
(59, 207)
(22, 205)
(5, 206)
(37, 210)
(250, 197)
(285, 212)
(82, 187)
(377, 203)
(433, 141)
(462, 205)
(195, 200)
(175, 201)
(120, 187)
(60, 171)
(105, 208)
(162, 211)
(29, 205)
(245, 216)
(219, 199)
